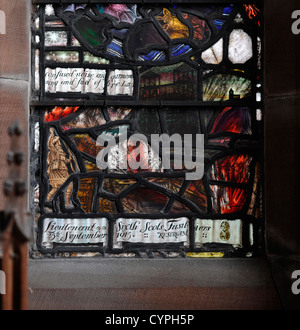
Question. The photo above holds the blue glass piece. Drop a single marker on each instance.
(154, 55)
(180, 49)
(227, 10)
(115, 48)
(219, 23)
(119, 33)
(100, 8)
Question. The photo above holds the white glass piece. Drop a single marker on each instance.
(120, 82)
(90, 58)
(76, 80)
(56, 38)
(258, 115)
(218, 231)
(37, 70)
(62, 56)
(240, 47)
(36, 137)
(238, 19)
(151, 231)
(251, 240)
(74, 231)
(37, 23)
(49, 10)
(258, 53)
(214, 54)
(258, 96)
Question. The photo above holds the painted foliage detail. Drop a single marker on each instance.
(106, 70)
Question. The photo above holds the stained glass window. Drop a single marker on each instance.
(107, 78)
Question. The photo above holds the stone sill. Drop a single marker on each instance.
(145, 284)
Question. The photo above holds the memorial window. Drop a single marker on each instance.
(147, 129)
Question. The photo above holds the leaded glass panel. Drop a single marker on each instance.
(115, 72)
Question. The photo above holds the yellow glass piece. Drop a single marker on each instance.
(173, 26)
(205, 254)
(85, 193)
(106, 205)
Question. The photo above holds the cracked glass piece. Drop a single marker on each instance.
(214, 54)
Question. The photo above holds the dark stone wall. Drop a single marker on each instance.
(282, 95)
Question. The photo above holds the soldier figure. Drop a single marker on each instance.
(58, 171)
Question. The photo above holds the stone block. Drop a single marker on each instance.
(13, 105)
(281, 193)
(282, 64)
(15, 43)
